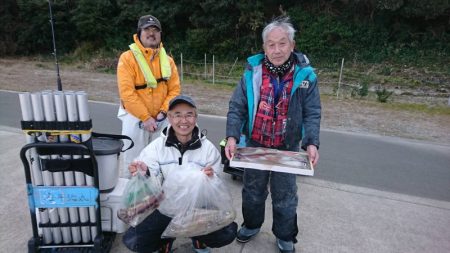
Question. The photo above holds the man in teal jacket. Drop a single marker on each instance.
(276, 105)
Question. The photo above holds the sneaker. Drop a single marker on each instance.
(205, 250)
(166, 248)
(200, 247)
(245, 234)
(285, 247)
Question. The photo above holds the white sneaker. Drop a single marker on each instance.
(285, 247)
(205, 250)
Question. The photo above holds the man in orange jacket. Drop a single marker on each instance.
(147, 79)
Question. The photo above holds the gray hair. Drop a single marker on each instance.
(283, 23)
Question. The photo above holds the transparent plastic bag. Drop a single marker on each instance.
(141, 197)
(198, 204)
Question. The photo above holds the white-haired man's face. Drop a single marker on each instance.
(277, 46)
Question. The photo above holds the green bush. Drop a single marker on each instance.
(383, 95)
(363, 90)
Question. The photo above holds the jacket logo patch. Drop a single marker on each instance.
(305, 84)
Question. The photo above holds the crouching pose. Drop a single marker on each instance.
(179, 145)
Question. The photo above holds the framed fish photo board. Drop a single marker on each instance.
(273, 160)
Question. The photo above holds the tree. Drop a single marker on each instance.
(96, 23)
(9, 21)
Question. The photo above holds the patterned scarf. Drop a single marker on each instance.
(269, 128)
(279, 70)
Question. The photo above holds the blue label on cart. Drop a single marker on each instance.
(63, 196)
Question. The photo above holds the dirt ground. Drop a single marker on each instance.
(343, 114)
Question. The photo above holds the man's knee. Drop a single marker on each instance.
(220, 237)
(138, 242)
(146, 237)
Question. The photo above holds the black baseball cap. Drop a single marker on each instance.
(181, 99)
(148, 20)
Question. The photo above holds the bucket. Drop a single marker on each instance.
(107, 149)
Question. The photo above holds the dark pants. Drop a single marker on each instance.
(146, 237)
(283, 189)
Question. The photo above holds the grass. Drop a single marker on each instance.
(387, 75)
(391, 105)
(217, 84)
(420, 108)
(42, 65)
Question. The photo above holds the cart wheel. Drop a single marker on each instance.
(234, 177)
(33, 245)
(98, 244)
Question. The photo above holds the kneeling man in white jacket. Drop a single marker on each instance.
(181, 145)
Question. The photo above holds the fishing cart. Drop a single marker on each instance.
(71, 173)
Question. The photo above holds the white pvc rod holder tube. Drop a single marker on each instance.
(59, 108)
(61, 116)
(38, 115)
(72, 115)
(83, 113)
(50, 178)
(27, 115)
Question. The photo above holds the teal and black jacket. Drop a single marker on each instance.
(304, 112)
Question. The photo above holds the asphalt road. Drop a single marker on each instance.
(381, 163)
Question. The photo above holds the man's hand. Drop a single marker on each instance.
(137, 166)
(208, 171)
(313, 154)
(161, 116)
(230, 148)
(150, 125)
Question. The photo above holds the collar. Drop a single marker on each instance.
(279, 70)
(192, 144)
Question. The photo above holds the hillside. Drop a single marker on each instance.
(414, 115)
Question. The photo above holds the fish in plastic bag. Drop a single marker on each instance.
(142, 196)
(198, 204)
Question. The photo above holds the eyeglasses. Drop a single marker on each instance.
(187, 117)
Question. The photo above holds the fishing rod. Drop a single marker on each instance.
(58, 78)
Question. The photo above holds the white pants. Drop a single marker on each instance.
(140, 137)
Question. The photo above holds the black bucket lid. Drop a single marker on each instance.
(105, 146)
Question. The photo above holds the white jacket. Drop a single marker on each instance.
(162, 157)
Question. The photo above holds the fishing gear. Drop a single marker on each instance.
(58, 77)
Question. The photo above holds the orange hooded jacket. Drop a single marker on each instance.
(148, 102)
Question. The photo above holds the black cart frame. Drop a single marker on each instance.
(103, 241)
